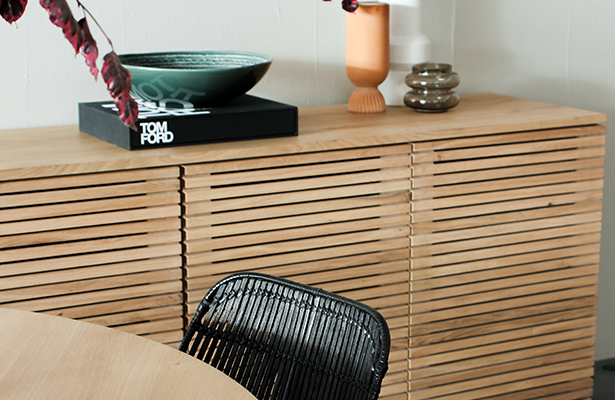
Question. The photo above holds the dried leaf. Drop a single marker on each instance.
(88, 47)
(116, 77)
(118, 82)
(61, 15)
(12, 10)
(350, 5)
(128, 110)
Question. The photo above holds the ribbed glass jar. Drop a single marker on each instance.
(431, 87)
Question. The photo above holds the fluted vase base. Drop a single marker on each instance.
(366, 100)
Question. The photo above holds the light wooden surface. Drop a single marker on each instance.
(28, 153)
(476, 233)
(102, 247)
(47, 357)
(504, 263)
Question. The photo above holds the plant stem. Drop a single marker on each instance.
(96, 22)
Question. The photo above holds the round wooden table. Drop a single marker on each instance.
(47, 357)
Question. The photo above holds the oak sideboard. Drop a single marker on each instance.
(475, 232)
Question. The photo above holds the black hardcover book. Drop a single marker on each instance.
(247, 117)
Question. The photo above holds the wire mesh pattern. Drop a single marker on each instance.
(284, 340)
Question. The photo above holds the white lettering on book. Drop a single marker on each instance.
(155, 133)
(151, 110)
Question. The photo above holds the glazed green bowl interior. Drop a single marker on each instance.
(194, 79)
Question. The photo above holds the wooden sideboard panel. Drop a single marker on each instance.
(337, 220)
(504, 262)
(475, 232)
(102, 247)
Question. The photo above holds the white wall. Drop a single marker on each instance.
(41, 81)
(558, 51)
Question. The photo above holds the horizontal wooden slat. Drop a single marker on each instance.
(550, 372)
(301, 245)
(93, 179)
(375, 190)
(289, 234)
(496, 284)
(109, 191)
(84, 273)
(85, 260)
(12, 228)
(504, 261)
(507, 149)
(491, 364)
(296, 159)
(509, 388)
(101, 296)
(362, 294)
(91, 285)
(394, 392)
(396, 311)
(529, 136)
(484, 166)
(489, 174)
(393, 377)
(506, 250)
(314, 277)
(130, 317)
(90, 206)
(494, 241)
(89, 246)
(503, 304)
(300, 209)
(505, 184)
(504, 272)
(369, 294)
(575, 221)
(298, 185)
(514, 321)
(474, 298)
(102, 231)
(362, 282)
(507, 336)
(505, 217)
(510, 345)
(365, 271)
(272, 223)
(367, 250)
(296, 172)
(506, 195)
(507, 206)
(488, 321)
(571, 390)
(110, 308)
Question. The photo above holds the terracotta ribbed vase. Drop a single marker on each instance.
(367, 55)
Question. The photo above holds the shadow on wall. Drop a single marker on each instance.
(305, 84)
(482, 63)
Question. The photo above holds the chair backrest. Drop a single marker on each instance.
(285, 340)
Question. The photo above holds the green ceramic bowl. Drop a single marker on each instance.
(194, 79)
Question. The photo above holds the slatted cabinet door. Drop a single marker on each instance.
(101, 247)
(337, 220)
(504, 247)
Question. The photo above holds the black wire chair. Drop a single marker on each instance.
(284, 340)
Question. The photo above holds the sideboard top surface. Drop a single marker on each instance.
(62, 150)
